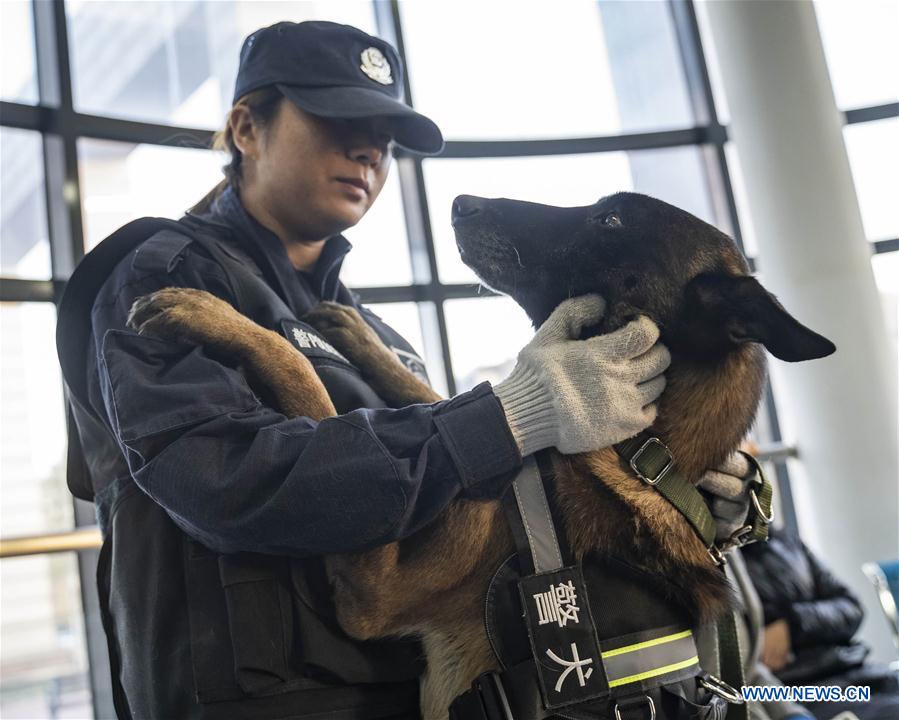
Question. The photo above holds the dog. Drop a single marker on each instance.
(644, 257)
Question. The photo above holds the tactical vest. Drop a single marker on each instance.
(264, 640)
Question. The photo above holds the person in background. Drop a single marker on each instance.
(725, 497)
(810, 622)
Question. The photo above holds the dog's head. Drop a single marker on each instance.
(643, 256)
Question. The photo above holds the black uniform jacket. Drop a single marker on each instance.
(192, 472)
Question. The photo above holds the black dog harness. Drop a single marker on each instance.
(599, 639)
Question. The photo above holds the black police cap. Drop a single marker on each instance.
(335, 71)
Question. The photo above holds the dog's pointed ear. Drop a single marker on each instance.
(743, 311)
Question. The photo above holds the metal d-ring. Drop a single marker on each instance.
(767, 519)
(721, 689)
(652, 709)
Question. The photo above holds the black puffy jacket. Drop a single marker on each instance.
(822, 613)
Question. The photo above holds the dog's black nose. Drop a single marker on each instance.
(466, 206)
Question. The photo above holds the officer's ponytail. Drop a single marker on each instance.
(262, 104)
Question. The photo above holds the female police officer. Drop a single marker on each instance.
(203, 491)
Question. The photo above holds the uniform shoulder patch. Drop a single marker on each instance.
(161, 252)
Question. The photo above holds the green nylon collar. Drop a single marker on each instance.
(653, 463)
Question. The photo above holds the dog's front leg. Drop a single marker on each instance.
(430, 584)
(198, 317)
(271, 362)
(345, 329)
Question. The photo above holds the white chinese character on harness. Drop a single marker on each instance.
(557, 605)
(574, 664)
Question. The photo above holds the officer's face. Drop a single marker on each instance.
(319, 176)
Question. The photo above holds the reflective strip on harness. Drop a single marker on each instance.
(536, 517)
(650, 659)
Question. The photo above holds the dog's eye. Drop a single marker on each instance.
(610, 219)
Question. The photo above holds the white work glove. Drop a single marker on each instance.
(728, 487)
(582, 395)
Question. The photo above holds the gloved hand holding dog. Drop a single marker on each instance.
(728, 487)
(582, 395)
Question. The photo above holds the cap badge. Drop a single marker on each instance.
(375, 65)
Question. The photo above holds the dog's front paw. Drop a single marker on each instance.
(182, 314)
(344, 328)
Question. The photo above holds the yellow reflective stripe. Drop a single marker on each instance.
(646, 644)
(654, 673)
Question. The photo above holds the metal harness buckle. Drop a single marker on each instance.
(662, 472)
(738, 538)
(721, 689)
(652, 709)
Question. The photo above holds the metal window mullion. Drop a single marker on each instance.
(421, 242)
(415, 207)
(699, 86)
(62, 187)
(654, 140)
(23, 117)
(21, 290)
(136, 131)
(95, 635)
(724, 198)
(64, 222)
(871, 113)
(785, 490)
(48, 118)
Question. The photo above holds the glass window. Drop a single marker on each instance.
(859, 41)
(18, 79)
(675, 175)
(873, 149)
(124, 181)
(747, 229)
(24, 241)
(43, 656)
(485, 336)
(380, 254)
(537, 69)
(175, 62)
(33, 431)
(404, 318)
(711, 61)
(417, 322)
